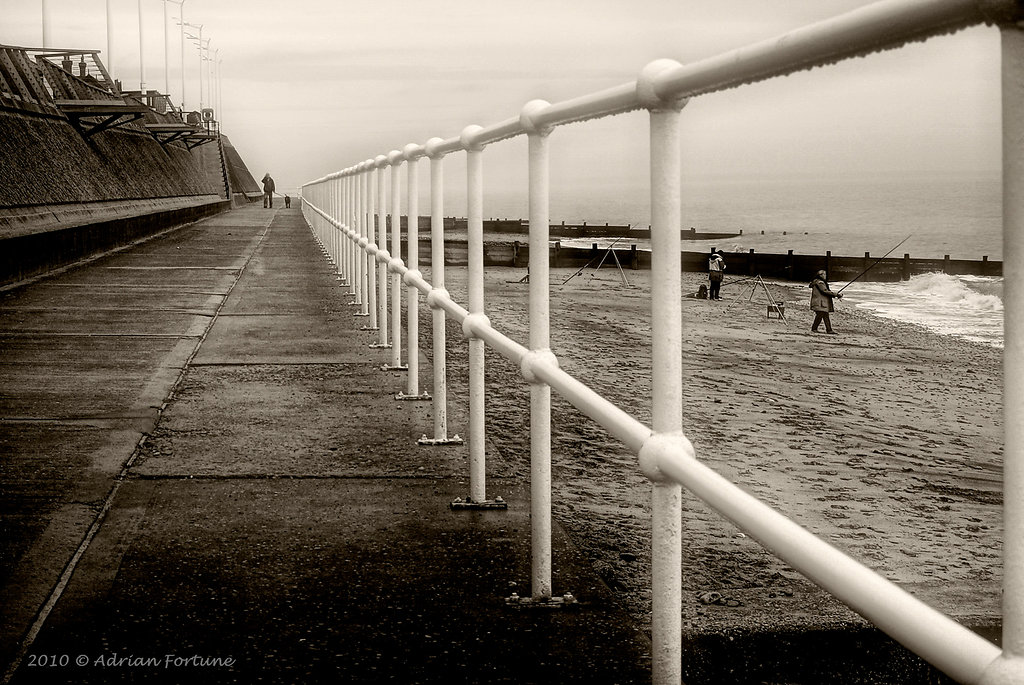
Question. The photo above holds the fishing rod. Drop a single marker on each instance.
(873, 265)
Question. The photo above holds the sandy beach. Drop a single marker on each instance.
(885, 439)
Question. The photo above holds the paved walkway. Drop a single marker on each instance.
(206, 478)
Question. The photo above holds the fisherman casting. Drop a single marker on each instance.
(821, 302)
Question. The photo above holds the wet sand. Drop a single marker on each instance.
(885, 439)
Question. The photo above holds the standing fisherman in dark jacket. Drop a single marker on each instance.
(268, 191)
(821, 302)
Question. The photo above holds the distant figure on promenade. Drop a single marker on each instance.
(268, 191)
(821, 302)
(287, 201)
(716, 271)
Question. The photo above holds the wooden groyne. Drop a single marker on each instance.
(788, 266)
(564, 230)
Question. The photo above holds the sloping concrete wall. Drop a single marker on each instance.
(46, 161)
(65, 197)
(239, 177)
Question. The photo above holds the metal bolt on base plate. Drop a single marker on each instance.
(566, 600)
(361, 313)
(454, 440)
(496, 503)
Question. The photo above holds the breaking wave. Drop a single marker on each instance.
(969, 307)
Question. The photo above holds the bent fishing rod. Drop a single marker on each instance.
(874, 264)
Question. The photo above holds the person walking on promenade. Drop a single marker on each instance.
(821, 302)
(716, 271)
(268, 191)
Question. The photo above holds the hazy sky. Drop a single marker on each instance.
(311, 86)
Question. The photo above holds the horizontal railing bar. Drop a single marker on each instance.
(502, 344)
(510, 128)
(956, 650)
(443, 147)
(616, 100)
(617, 422)
(879, 26)
(453, 308)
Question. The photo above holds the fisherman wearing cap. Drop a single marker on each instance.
(716, 271)
(821, 302)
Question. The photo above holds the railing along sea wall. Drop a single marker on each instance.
(345, 209)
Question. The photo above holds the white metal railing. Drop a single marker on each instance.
(340, 210)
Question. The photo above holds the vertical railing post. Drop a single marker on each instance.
(350, 251)
(335, 214)
(667, 383)
(335, 203)
(440, 403)
(395, 160)
(381, 163)
(330, 231)
(359, 193)
(1009, 668)
(371, 245)
(342, 219)
(323, 201)
(476, 318)
(359, 226)
(412, 154)
(347, 237)
(475, 230)
(540, 345)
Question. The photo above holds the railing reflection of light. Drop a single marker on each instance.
(665, 455)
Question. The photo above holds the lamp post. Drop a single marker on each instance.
(46, 24)
(209, 73)
(142, 53)
(199, 38)
(167, 43)
(220, 103)
(110, 38)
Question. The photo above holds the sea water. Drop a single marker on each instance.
(935, 215)
(969, 307)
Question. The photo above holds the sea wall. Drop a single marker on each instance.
(68, 192)
(35, 253)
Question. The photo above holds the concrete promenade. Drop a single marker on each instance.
(206, 478)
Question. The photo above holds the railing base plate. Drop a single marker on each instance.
(384, 346)
(388, 367)
(454, 440)
(413, 398)
(563, 602)
(496, 503)
(361, 313)
(371, 328)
